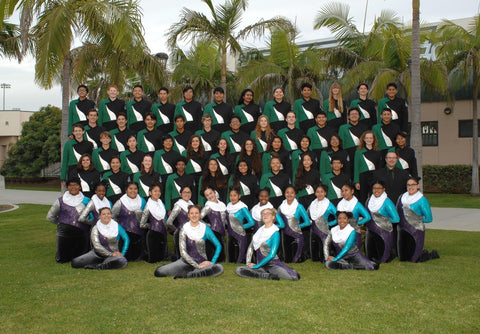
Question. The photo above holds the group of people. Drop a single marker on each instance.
(286, 183)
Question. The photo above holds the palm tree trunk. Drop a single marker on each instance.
(65, 100)
(415, 102)
(224, 72)
(475, 191)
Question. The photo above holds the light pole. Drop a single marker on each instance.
(4, 86)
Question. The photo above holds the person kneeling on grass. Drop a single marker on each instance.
(343, 238)
(194, 261)
(105, 237)
(265, 244)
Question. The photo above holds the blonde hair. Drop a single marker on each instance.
(331, 100)
(269, 133)
(272, 210)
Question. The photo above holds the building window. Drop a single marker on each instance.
(430, 133)
(465, 128)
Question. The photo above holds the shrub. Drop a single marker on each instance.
(455, 179)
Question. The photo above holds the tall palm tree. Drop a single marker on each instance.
(59, 23)
(10, 46)
(415, 88)
(460, 48)
(199, 67)
(379, 57)
(284, 66)
(221, 28)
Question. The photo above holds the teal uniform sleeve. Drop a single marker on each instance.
(209, 235)
(348, 245)
(360, 211)
(422, 208)
(143, 203)
(302, 215)
(273, 242)
(245, 215)
(331, 210)
(279, 221)
(391, 211)
(124, 236)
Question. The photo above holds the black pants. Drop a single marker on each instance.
(71, 242)
(156, 246)
(374, 246)
(316, 248)
(136, 250)
(210, 248)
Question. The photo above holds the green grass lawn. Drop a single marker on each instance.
(453, 201)
(40, 296)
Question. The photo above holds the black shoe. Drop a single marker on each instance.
(179, 276)
(434, 254)
(90, 266)
(274, 277)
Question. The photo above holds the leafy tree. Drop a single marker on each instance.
(220, 28)
(10, 46)
(285, 66)
(38, 146)
(459, 48)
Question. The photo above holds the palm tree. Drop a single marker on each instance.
(379, 57)
(415, 92)
(460, 49)
(285, 66)
(10, 46)
(59, 23)
(200, 67)
(220, 28)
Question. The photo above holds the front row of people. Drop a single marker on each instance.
(142, 227)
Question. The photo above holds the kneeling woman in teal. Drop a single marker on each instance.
(342, 239)
(414, 210)
(193, 261)
(239, 219)
(295, 231)
(265, 244)
(128, 212)
(351, 204)
(379, 238)
(105, 236)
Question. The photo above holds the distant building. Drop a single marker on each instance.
(11, 123)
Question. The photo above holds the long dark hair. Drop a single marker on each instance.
(190, 149)
(256, 158)
(240, 101)
(237, 175)
(218, 181)
(301, 174)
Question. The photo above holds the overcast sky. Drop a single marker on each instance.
(159, 15)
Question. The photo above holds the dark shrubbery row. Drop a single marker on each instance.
(455, 179)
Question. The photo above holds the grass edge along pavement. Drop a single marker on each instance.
(39, 295)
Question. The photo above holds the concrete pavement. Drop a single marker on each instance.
(443, 218)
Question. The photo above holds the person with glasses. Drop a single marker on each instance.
(265, 243)
(414, 211)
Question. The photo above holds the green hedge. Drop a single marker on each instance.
(456, 179)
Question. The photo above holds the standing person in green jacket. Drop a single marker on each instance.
(137, 109)
(104, 153)
(93, 129)
(277, 109)
(350, 133)
(397, 105)
(367, 107)
(248, 111)
(109, 108)
(220, 111)
(121, 133)
(367, 159)
(190, 109)
(291, 135)
(73, 150)
(386, 131)
(79, 108)
(306, 108)
(320, 135)
(164, 161)
(335, 107)
(208, 135)
(150, 139)
(164, 111)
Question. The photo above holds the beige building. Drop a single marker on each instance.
(10, 129)
(447, 137)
